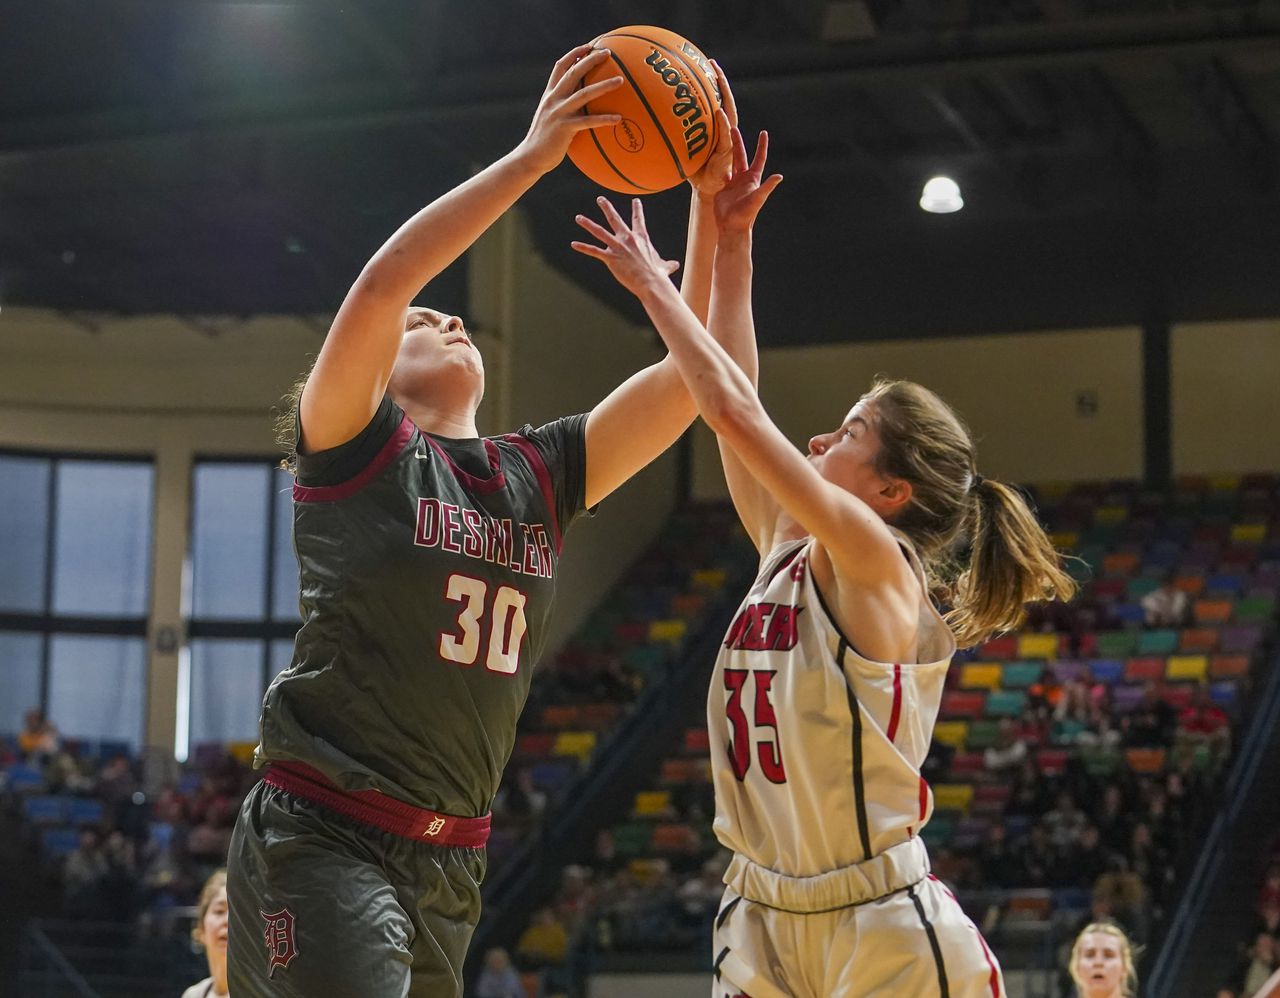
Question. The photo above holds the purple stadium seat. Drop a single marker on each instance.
(1240, 638)
(1126, 698)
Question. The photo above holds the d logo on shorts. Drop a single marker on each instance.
(281, 947)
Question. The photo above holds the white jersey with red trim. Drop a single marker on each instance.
(816, 751)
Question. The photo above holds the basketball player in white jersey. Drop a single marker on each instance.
(828, 684)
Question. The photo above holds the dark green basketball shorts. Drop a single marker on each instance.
(326, 905)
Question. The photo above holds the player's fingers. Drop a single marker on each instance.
(596, 229)
(584, 122)
(565, 61)
(580, 98)
(762, 154)
(586, 249)
(637, 219)
(739, 152)
(726, 94)
(612, 217)
(569, 81)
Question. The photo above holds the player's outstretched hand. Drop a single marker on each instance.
(745, 194)
(715, 172)
(626, 250)
(559, 116)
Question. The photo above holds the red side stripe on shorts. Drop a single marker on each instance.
(924, 797)
(896, 712)
(994, 979)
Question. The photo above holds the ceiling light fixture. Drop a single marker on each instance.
(941, 196)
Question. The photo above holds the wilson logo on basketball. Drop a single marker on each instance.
(686, 104)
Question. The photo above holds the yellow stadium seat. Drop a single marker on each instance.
(1249, 533)
(670, 631)
(981, 676)
(1111, 514)
(1065, 540)
(652, 804)
(951, 733)
(709, 579)
(1037, 646)
(1054, 490)
(1187, 667)
(1224, 483)
(579, 744)
(953, 796)
(242, 751)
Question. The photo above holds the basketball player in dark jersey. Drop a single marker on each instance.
(428, 561)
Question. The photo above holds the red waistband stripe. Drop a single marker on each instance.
(371, 807)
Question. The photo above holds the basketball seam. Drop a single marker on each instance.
(639, 92)
(695, 74)
(605, 156)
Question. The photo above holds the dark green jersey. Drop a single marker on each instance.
(427, 578)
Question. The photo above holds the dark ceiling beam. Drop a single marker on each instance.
(467, 99)
(1025, 173)
(1124, 135)
(1219, 92)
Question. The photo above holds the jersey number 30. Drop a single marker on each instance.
(504, 620)
(769, 751)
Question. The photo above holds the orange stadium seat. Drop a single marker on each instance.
(1198, 639)
(1228, 666)
(1213, 611)
(1146, 761)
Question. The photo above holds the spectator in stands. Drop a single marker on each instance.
(1038, 859)
(1029, 794)
(520, 800)
(1166, 605)
(1124, 893)
(1112, 819)
(1008, 752)
(1087, 859)
(1102, 963)
(498, 979)
(1203, 722)
(38, 737)
(1270, 893)
(1073, 715)
(1151, 724)
(1150, 862)
(1260, 964)
(210, 934)
(83, 878)
(999, 865)
(1065, 823)
(544, 943)
(1268, 921)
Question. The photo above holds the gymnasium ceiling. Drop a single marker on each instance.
(1118, 157)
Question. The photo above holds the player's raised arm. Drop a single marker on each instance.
(732, 324)
(354, 365)
(647, 413)
(858, 539)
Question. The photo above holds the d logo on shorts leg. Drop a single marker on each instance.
(281, 947)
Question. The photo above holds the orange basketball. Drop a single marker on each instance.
(667, 102)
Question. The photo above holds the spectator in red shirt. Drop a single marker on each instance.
(1205, 723)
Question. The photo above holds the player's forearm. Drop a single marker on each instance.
(730, 320)
(700, 251)
(445, 229)
(712, 377)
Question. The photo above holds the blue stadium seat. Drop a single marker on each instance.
(45, 810)
(1107, 670)
(24, 779)
(85, 811)
(58, 843)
